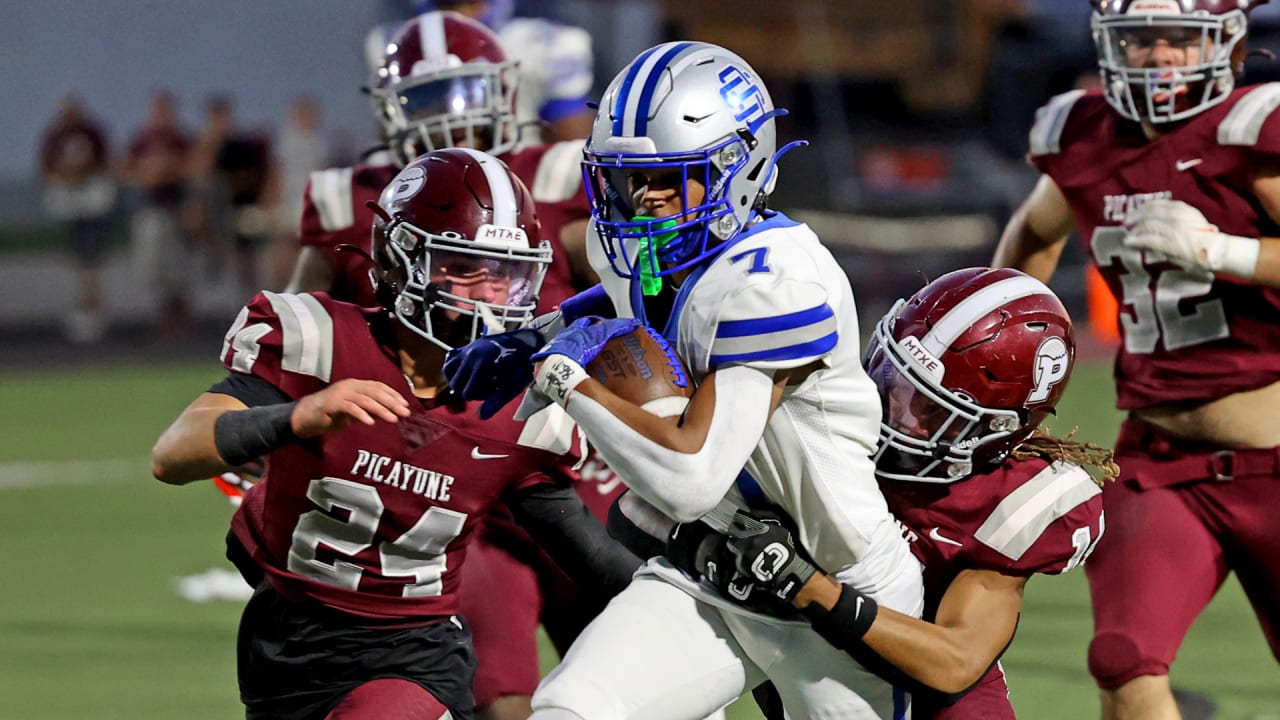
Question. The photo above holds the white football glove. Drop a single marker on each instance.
(1181, 232)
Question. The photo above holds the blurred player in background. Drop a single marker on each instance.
(556, 68)
(376, 477)
(967, 369)
(682, 159)
(1172, 176)
(443, 80)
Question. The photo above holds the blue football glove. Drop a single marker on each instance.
(495, 368)
(582, 341)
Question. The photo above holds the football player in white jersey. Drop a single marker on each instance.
(680, 164)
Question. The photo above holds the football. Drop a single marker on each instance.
(640, 368)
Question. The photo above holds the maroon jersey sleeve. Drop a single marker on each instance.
(284, 339)
(553, 174)
(335, 213)
(1189, 335)
(1024, 517)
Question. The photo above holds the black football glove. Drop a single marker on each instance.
(764, 550)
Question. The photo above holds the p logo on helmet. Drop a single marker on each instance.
(1053, 361)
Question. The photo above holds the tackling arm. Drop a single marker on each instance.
(975, 623)
(1036, 234)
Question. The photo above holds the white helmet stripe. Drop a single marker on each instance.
(431, 36)
(971, 309)
(503, 192)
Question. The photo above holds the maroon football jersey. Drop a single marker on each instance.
(1188, 335)
(1022, 518)
(371, 520)
(335, 212)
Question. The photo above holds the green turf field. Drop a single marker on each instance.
(90, 625)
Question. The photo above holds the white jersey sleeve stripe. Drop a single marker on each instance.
(1046, 133)
(963, 315)
(306, 334)
(1025, 513)
(809, 333)
(559, 172)
(331, 195)
(1243, 124)
(505, 211)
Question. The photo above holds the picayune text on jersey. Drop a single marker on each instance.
(1116, 208)
(382, 469)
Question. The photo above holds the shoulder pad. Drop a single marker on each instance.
(559, 174)
(784, 323)
(1024, 514)
(1046, 133)
(304, 344)
(330, 192)
(1243, 125)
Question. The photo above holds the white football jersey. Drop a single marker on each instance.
(555, 70)
(776, 298)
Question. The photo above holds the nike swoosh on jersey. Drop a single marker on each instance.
(934, 534)
(477, 455)
(1187, 164)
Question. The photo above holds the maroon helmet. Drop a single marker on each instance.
(445, 81)
(967, 368)
(457, 248)
(1167, 60)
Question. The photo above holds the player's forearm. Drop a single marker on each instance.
(1022, 249)
(186, 451)
(946, 657)
(683, 470)
(1267, 271)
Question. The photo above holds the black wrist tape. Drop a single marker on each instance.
(244, 435)
(844, 625)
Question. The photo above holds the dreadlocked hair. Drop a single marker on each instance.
(1092, 457)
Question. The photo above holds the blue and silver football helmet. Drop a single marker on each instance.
(695, 109)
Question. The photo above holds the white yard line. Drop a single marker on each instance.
(53, 473)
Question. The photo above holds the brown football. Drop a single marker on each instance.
(638, 368)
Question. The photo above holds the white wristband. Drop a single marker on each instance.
(557, 377)
(1236, 255)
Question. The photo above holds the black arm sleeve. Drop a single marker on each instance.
(250, 390)
(630, 535)
(558, 520)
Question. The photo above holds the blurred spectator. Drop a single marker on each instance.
(206, 212)
(301, 147)
(80, 192)
(556, 67)
(156, 165)
(231, 170)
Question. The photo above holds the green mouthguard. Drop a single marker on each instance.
(650, 285)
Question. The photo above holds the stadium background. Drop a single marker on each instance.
(915, 111)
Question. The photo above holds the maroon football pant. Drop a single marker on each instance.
(1181, 517)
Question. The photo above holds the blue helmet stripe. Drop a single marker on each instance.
(651, 86)
(620, 103)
